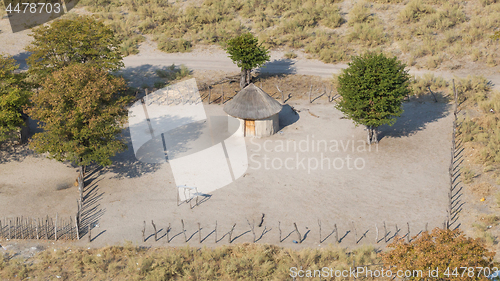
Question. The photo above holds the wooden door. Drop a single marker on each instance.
(249, 127)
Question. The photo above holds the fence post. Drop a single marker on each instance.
(199, 231)
(310, 93)
(222, 90)
(55, 229)
(90, 233)
(154, 227)
(184, 231)
(77, 229)
(298, 233)
(336, 234)
(209, 93)
(231, 233)
(144, 232)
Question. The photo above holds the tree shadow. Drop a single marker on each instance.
(146, 75)
(278, 66)
(415, 118)
(21, 60)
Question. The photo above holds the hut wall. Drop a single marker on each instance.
(267, 127)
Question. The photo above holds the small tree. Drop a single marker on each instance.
(14, 96)
(248, 54)
(445, 250)
(67, 41)
(81, 112)
(373, 88)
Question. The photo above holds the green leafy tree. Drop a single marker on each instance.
(82, 109)
(14, 96)
(373, 88)
(442, 250)
(67, 41)
(248, 54)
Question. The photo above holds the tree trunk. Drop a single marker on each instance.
(243, 79)
(370, 134)
(81, 180)
(249, 76)
(375, 135)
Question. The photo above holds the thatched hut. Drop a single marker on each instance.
(257, 111)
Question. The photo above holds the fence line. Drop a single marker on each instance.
(291, 232)
(38, 228)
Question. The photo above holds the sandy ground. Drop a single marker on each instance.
(404, 181)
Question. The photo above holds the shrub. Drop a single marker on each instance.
(170, 45)
(474, 88)
(439, 249)
(467, 175)
(421, 84)
(290, 55)
(370, 35)
(414, 11)
(360, 13)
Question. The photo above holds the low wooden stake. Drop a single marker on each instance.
(77, 230)
(231, 233)
(199, 232)
(336, 234)
(298, 233)
(408, 235)
(279, 227)
(215, 231)
(385, 233)
(319, 224)
(144, 232)
(168, 233)
(90, 233)
(156, 233)
(184, 231)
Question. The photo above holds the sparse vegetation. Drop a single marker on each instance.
(435, 31)
(238, 262)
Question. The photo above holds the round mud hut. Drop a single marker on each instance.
(257, 111)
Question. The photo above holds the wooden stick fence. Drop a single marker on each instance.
(389, 232)
(36, 228)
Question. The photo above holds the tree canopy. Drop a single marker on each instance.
(248, 54)
(82, 111)
(441, 249)
(67, 41)
(373, 88)
(14, 96)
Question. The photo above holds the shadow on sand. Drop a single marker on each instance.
(415, 118)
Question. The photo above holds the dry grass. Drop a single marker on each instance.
(421, 84)
(294, 87)
(482, 189)
(428, 33)
(238, 262)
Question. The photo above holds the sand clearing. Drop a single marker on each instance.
(403, 180)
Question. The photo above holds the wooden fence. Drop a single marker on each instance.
(291, 232)
(37, 228)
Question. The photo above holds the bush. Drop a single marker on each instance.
(360, 13)
(290, 55)
(414, 11)
(174, 45)
(440, 249)
(421, 84)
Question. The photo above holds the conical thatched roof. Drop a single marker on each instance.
(252, 103)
